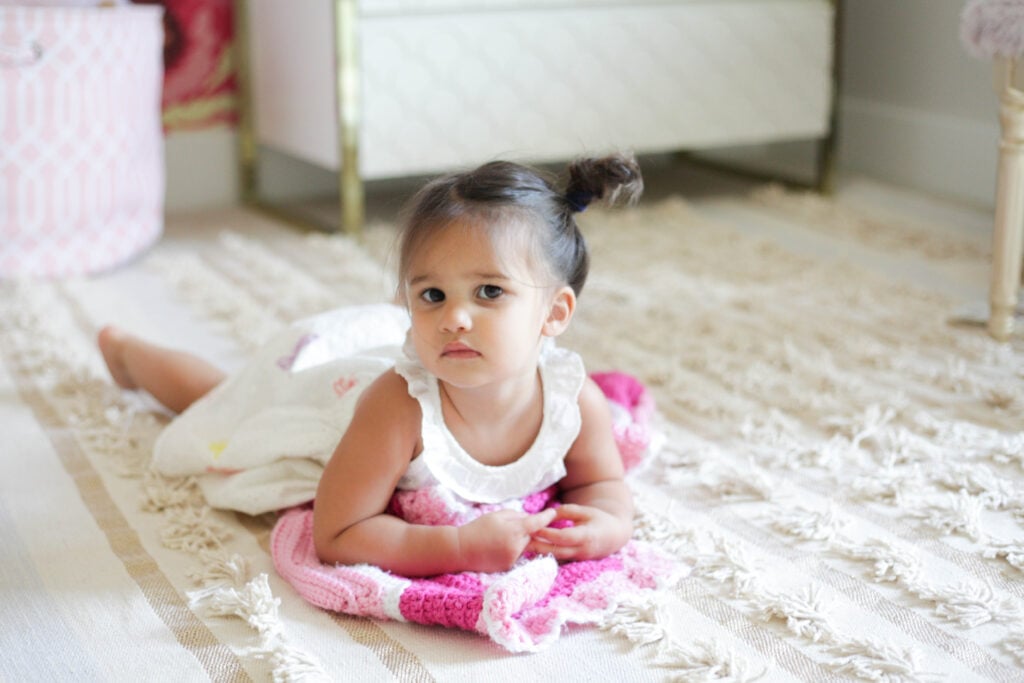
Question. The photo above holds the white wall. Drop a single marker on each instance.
(202, 172)
(201, 169)
(915, 108)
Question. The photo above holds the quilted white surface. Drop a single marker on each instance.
(450, 89)
(382, 7)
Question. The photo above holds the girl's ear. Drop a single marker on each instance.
(563, 305)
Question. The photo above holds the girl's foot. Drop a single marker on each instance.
(111, 342)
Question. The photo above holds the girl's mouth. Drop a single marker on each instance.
(458, 350)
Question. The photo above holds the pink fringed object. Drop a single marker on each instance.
(993, 28)
(524, 609)
(81, 146)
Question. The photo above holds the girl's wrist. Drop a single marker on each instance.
(458, 539)
(463, 547)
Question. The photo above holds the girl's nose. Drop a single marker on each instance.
(456, 318)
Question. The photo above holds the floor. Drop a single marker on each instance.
(725, 197)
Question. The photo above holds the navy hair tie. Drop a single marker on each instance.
(579, 199)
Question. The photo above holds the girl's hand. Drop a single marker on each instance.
(593, 534)
(496, 540)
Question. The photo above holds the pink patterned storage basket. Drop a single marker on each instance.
(81, 145)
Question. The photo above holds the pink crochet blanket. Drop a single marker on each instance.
(523, 609)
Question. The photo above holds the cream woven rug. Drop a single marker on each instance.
(844, 468)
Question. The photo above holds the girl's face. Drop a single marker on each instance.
(479, 317)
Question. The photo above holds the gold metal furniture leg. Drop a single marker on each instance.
(1008, 231)
(247, 163)
(826, 153)
(350, 182)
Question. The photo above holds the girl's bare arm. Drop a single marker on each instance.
(594, 494)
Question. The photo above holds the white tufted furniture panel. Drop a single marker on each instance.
(452, 83)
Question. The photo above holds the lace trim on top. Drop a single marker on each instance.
(444, 461)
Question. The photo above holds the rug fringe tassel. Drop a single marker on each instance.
(642, 621)
(254, 603)
(804, 613)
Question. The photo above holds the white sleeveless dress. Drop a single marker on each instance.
(259, 441)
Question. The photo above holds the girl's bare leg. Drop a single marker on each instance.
(175, 378)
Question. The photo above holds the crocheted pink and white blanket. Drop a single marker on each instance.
(523, 609)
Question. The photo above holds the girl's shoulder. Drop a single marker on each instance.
(390, 385)
(390, 382)
(592, 401)
(386, 403)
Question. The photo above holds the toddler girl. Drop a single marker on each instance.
(433, 435)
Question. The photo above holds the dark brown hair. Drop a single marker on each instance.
(502, 194)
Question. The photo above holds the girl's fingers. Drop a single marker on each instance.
(539, 521)
(568, 536)
(573, 512)
(559, 552)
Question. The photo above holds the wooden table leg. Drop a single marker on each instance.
(1008, 232)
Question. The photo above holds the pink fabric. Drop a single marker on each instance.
(633, 437)
(81, 147)
(524, 609)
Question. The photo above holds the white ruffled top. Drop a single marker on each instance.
(444, 462)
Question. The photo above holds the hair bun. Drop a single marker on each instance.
(614, 179)
(579, 199)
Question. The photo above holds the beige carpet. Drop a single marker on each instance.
(843, 467)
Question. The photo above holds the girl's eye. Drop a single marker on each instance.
(490, 291)
(432, 295)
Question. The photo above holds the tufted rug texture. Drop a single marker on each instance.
(843, 467)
